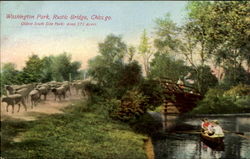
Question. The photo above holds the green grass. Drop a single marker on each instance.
(78, 133)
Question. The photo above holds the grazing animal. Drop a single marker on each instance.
(44, 90)
(10, 90)
(59, 92)
(66, 85)
(86, 89)
(54, 84)
(24, 90)
(34, 97)
(14, 99)
(17, 87)
(79, 85)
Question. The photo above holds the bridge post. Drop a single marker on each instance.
(170, 114)
(164, 114)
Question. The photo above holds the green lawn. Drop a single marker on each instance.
(77, 133)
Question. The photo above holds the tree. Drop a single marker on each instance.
(110, 71)
(131, 53)
(145, 51)
(131, 75)
(63, 68)
(241, 76)
(74, 69)
(195, 44)
(232, 36)
(47, 72)
(188, 41)
(32, 72)
(9, 75)
(166, 32)
(206, 79)
(106, 66)
(113, 49)
(165, 66)
(97, 69)
(222, 30)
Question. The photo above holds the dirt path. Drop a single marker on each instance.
(50, 106)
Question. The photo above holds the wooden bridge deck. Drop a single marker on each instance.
(179, 98)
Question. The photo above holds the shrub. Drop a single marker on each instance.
(244, 104)
(239, 90)
(214, 103)
(133, 104)
(154, 91)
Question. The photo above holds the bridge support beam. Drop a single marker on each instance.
(170, 114)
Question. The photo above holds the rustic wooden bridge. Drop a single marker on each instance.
(179, 98)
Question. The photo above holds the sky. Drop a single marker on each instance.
(126, 18)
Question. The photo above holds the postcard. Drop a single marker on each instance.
(125, 79)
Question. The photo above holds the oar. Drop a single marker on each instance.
(246, 137)
(234, 132)
(188, 132)
(241, 134)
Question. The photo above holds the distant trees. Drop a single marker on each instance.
(44, 69)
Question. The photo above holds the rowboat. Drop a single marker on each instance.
(215, 139)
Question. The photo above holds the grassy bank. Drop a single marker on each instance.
(78, 133)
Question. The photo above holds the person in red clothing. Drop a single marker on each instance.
(204, 125)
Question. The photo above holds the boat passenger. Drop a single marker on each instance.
(204, 125)
(217, 129)
(210, 129)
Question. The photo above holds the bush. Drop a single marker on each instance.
(239, 90)
(244, 104)
(235, 76)
(154, 91)
(214, 103)
(132, 105)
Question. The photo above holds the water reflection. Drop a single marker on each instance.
(191, 146)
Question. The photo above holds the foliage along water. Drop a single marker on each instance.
(190, 146)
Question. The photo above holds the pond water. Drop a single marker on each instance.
(191, 146)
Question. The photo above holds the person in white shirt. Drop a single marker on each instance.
(180, 83)
(217, 129)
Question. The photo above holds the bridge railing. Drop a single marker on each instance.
(174, 87)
